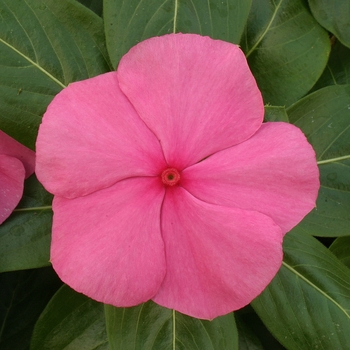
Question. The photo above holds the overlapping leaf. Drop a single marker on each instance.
(307, 305)
(44, 45)
(150, 326)
(324, 117)
(334, 16)
(129, 22)
(71, 321)
(286, 48)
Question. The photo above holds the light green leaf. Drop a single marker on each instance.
(334, 16)
(129, 22)
(25, 236)
(341, 249)
(324, 117)
(44, 45)
(338, 67)
(23, 296)
(275, 114)
(287, 49)
(307, 305)
(150, 326)
(71, 321)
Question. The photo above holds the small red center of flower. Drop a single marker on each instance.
(170, 177)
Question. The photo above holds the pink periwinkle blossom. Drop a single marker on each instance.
(17, 162)
(168, 185)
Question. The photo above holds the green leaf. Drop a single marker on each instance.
(341, 249)
(71, 321)
(94, 5)
(44, 45)
(338, 67)
(287, 49)
(334, 17)
(324, 117)
(25, 236)
(275, 114)
(307, 305)
(23, 296)
(150, 326)
(129, 22)
(252, 333)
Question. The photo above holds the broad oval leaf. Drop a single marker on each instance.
(275, 114)
(44, 45)
(129, 22)
(71, 321)
(287, 49)
(150, 326)
(324, 117)
(334, 17)
(25, 236)
(307, 305)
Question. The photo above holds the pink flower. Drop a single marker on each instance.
(167, 185)
(16, 164)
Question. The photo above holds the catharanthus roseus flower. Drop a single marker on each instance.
(17, 162)
(167, 185)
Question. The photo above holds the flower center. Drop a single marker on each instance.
(170, 177)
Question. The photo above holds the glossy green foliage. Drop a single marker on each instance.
(307, 305)
(324, 117)
(129, 22)
(150, 326)
(70, 321)
(44, 45)
(334, 16)
(286, 48)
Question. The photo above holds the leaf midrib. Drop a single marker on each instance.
(290, 268)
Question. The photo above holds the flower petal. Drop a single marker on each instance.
(274, 172)
(218, 258)
(91, 137)
(196, 94)
(12, 175)
(11, 147)
(108, 244)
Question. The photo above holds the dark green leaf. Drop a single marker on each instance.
(338, 67)
(286, 48)
(70, 321)
(341, 249)
(252, 333)
(324, 117)
(44, 45)
(94, 5)
(23, 296)
(150, 326)
(25, 236)
(307, 305)
(129, 22)
(334, 16)
(275, 114)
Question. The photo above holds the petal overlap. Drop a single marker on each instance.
(196, 94)
(218, 258)
(108, 244)
(274, 172)
(91, 137)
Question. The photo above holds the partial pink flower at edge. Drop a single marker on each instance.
(17, 162)
(167, 185)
